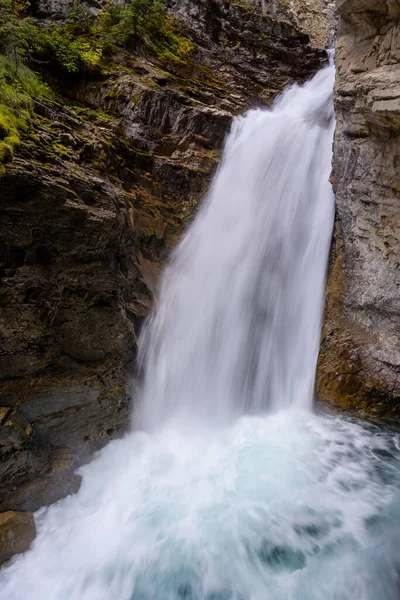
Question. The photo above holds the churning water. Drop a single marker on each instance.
(234, 489)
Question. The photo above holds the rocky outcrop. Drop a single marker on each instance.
(90, 207)
(359, 367)
(315, 18)
(17, 532)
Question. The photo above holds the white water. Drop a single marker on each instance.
(237, 328)
(217, 500)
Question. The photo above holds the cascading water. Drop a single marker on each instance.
(214, 499)
(237, 328)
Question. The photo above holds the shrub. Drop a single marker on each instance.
(57, 46)
(76, 47)
(79, 19)
(145, 22)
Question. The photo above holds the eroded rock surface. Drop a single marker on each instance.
(17, 532)
(315, 18)
(359, 365)
(91, 206)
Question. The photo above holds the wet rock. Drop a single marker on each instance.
(59, 481)
(17, 532)
(91, 207)
(42, 492)
(359, 365)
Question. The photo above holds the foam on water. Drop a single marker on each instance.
(292, 506)
(215, 499)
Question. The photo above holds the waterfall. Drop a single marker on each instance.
(237, 326)
(231, 488)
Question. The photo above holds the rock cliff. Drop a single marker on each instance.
(359, 366)
(316, 18)
(98, 192)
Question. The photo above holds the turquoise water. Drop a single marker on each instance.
(211, 501)
(293, 506)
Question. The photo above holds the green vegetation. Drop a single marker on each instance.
(83, 44)
(80, 19)
(146, 23)
(82, 47)
(246, 6)
(18, 84)
(62, 51)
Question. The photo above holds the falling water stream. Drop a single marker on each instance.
(231, 487)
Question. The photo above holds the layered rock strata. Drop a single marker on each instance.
(91, 207)
(359, 366)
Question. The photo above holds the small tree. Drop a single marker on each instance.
(15, 31)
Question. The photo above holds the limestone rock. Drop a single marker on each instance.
(316, 18)
(17, 532)
(359, 366)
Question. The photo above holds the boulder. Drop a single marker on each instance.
(17, 532)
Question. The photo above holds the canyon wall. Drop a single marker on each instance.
(98, 193)
(109, 174)
(316, 18)
(359, 365)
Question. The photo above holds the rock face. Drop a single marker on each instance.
(359, 365)
(90, 208)
(17, 532)
(316, 18)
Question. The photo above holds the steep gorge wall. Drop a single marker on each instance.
(316, 18)
(90, 207)
(359, 366)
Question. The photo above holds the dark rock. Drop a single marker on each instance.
(17, 532)
(58, 482)
(90, 209)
